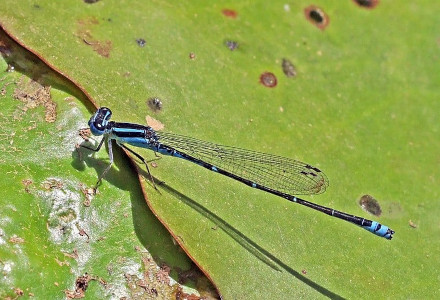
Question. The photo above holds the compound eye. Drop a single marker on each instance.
(105, 112)
(99, 120)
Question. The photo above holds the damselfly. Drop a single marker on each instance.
(274, 174)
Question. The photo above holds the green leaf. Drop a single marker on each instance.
(53, 228)
(363, 108)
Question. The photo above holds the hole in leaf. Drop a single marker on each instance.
(370, 4)
(316, 16)
(268, 79)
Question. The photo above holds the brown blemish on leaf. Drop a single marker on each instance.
(37, 67)
(230, 13)
(148, 286)
(81, 285)
(18, 292)
(85, 26)
(155, 283)
(82, 232)
(88, 21)
(62, 263)
(151, 284)
(103, 282)
(52, 184)
(85, 134)
(16, 240)
(88, 194)
(316, 16)
(67, 216)
(103, 48)
(163, 275)
(153, 123)
(73, 255)
(33, 94)
(371, 205)
(26, 183)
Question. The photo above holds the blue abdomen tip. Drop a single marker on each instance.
(380, 230)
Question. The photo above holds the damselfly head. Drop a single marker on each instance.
(99, 120)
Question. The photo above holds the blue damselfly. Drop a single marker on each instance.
(274, 174)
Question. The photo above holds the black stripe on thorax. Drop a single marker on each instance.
(128, 130)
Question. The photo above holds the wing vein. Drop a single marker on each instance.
(279, 173)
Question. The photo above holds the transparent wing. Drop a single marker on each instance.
(275, 172)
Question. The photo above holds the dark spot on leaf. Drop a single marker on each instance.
(155, 104)
(268, 79)
(288, 68)
(90, 1)
(370, 4)
(304, 272)
(316, 16)
(230, 13)
(371, 205)
(141, 42)
(192, 55)
(232, 45)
